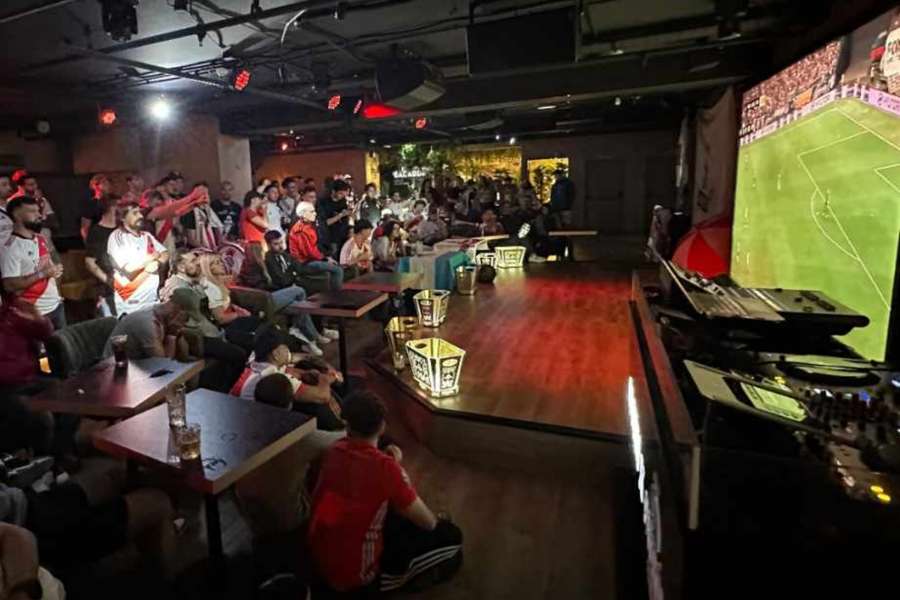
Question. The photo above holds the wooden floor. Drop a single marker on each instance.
(547, 344)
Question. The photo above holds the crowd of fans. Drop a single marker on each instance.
(800, 83)
(153, 253)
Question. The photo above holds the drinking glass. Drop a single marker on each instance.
(120, 353)
(176, 404)
(188, 438)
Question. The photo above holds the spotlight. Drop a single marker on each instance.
(284, 146)
(512, 140)
(379, 111)
(358, 106)
(617, 101)
(119, 19)
(334, 102)
(546, 107)
(107, 117)
(497, 137)
(160, 109)
(372, 141)
(240, 79)
(421, 123)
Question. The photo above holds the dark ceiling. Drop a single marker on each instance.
(636, 63)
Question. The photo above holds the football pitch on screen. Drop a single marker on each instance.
(818, 207)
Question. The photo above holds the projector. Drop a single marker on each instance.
(119, 19)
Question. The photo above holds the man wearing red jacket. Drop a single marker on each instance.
(303, 245)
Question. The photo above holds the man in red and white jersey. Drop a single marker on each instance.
(135, 256)
(27, 264)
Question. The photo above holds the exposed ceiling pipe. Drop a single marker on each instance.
(33, 11)
(198, 30)
(87, 52)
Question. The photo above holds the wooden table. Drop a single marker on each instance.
(341, 304)
(572, 233)
(236, 437)
(389, 283)
(107, 392)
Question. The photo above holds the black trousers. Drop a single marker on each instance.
(413, 555)
(241, 332)
(227, 366)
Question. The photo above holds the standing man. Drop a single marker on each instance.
(26, 262)
(288, 203)
(27, 185)
(135, 188)
(562, 195)
(92, 210)
(370, 206)
(274, 216)
(97, 260)
(135, 256)
(202, 227)
(228, 211)
(336, 217)
(6, 223)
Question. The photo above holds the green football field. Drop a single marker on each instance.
(818, 207)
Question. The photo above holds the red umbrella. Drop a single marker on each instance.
(706, 247)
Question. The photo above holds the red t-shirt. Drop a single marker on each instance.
(250, 231)
(356, 486)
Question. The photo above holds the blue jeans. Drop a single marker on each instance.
(287, 296)
(58, 317)
(335, 271)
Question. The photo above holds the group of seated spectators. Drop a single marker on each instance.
(153, 254)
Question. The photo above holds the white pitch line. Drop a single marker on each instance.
(884, 301)
(886, 180)
(857, 257)
(886, 167)
(835, 142)
(866, 127)
(812, 212)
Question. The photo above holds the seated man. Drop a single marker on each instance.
(273, 496)
(279, 273)
(351, 539)
(86, 517)
(22, 327)
(387, 247)
(152, 331)
(432, 230)
(303, 244)
(23, 577)
(357, 251)
(311, 389)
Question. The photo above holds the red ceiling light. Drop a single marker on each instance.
(379, 111)
(358, 106)
(334, 102)
(241, 79)
(284, 146)
(421, 122)
(107, 117)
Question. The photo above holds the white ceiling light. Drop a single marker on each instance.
(160, 109)
(546, 107)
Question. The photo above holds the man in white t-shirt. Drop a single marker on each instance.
(274, 216)
(26, 262)
(6, 224)
(135, 256)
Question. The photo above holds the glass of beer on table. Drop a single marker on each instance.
(188, 440)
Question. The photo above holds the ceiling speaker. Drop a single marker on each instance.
(407, 84)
